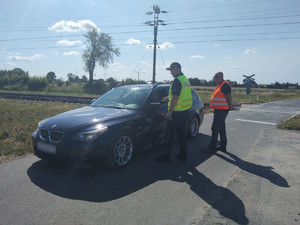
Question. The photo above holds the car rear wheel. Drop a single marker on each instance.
(193, 127)
(121, 151)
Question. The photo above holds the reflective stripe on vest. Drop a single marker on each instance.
(185, 100)
(218, 99)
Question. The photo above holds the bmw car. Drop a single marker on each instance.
(121, 122)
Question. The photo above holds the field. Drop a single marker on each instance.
(20, 118)
(257, 95)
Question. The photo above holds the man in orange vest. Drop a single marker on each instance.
(221, 102)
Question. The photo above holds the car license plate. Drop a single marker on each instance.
(44, 147)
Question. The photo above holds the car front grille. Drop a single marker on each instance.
(54, 135)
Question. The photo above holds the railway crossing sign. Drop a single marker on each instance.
(249, 83)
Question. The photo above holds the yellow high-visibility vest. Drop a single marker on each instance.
(185, 100)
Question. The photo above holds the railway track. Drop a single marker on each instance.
(53, 98)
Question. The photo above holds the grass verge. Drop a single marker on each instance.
(292, 123)
(18, 119)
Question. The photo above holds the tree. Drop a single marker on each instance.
(16, 71)
(84, 78)
(51, 77)
(71, 77)
(100, 49)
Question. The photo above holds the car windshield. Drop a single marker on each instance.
(123, 98)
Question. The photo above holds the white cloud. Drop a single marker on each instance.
(25, 58)
(71, 26)
(71, 53)
(9, 64)
(166, 45)
(132, 41)
(216, 45)
(117, 65)
(197, 57)
(236, 67)
(250, 51)
(227, 58)
(68, 43)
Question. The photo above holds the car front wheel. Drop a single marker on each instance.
(193, 127)
(121, 151)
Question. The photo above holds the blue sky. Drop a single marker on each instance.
(237, 37)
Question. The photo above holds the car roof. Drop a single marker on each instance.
(148, 86)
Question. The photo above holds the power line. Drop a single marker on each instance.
(31, 29)
(165, 30)
(174, 42)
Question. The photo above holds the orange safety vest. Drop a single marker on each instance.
(218, 99)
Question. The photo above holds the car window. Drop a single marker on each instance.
(158, 94)
(123, 97)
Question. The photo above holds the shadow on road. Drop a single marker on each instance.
(220, 198)
(261, 171)
(99, 184)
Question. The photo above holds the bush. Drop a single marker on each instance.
(98, 87)
(4, 81)
(3, 134)
(37, 84)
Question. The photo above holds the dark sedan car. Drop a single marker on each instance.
(124, 120)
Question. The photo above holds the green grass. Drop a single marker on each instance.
(292, 123)
(239, 95)
(19, 119)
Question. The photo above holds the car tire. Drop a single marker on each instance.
(193, 127)
(121, 151)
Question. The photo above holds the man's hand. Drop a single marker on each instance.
(165, 99)
(169, 115)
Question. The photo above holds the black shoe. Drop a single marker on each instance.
(181, 158)
(162, 158)
(220, 148)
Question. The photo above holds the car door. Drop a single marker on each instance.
(155, 117)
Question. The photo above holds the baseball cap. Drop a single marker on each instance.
(174, 64)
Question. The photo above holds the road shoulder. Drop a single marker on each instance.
(267, 182)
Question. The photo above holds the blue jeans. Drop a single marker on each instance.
(218, 127)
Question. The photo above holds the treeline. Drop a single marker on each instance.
(19, 80)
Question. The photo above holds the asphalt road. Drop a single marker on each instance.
(256, 182)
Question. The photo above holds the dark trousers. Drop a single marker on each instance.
(218, 127)
(177, 125)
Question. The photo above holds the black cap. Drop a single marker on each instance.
(174, 64)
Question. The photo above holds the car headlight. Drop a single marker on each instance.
(36, 131)
(41, 122)
(90, 135)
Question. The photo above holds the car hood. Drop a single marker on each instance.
(85, 117)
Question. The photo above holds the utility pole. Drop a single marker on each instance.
(155, 23)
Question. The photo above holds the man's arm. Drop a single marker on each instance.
(165, 99)
(229, 100)
(173, 103)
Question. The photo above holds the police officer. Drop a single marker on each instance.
(221, 102)
(179, 102)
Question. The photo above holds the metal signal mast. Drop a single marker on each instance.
(155, 23)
